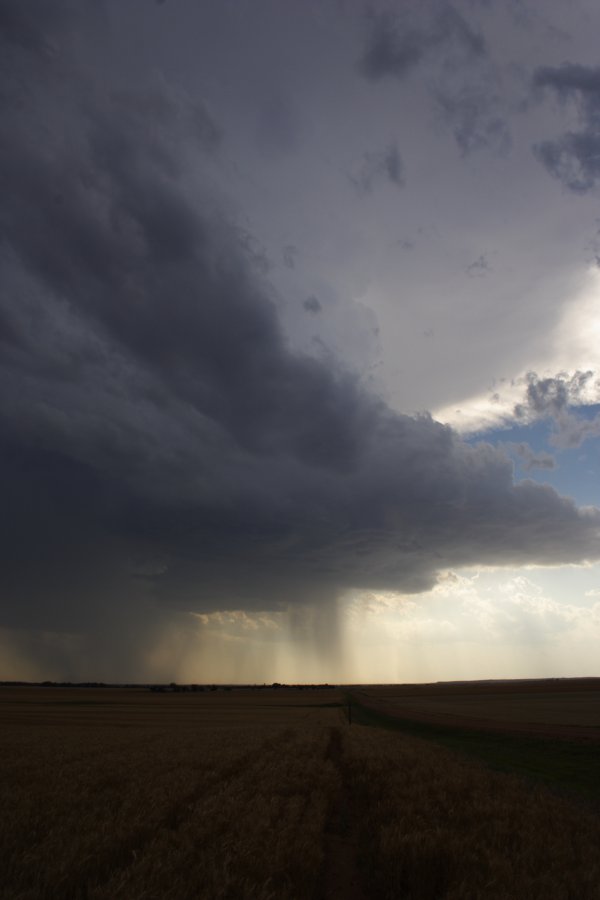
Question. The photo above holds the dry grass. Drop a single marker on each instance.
(177, 804)
(568, 708)
(263, 795)
(432, 825)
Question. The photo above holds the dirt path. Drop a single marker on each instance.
(340, 879)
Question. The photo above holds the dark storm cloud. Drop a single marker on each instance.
(397, 42)
(31, 26)
(289, 254)
(479, 268)
(278, 131)
(393, 166)
(392, 50)
(312, 304)
(161, 444)
(385, 165)
(574, 157)
(472, 114)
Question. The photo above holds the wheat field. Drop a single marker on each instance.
(266, 795)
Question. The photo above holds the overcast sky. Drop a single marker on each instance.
(299, 339)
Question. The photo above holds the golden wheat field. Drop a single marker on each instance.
(264, 794)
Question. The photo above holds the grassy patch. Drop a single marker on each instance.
(570, 767)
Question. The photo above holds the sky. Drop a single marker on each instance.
(299, 340)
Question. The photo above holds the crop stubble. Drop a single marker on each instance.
(117, 794)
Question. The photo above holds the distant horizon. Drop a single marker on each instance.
(282, 684)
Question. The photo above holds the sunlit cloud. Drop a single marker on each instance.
(572, 348)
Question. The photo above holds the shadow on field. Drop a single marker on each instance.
(569, 768)
(340, 878)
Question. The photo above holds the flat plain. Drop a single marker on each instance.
(123, 793)
(568, 708)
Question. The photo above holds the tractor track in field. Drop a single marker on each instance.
(340, 877)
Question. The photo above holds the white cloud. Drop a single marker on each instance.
(234, 621)
(481, 607)
(570, 348)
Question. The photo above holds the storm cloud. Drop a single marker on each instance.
(398, 42)
(160, 438)
(385, 166)
(447, 50)
(474, 116)
(574, 157)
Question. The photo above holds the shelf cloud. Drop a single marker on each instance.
(162, 438)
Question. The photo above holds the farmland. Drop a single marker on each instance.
(568, 708)
(544, 730)
(111, 793)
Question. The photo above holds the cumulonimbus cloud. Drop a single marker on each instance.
(157, 430)
(398, 41)
(574, 157)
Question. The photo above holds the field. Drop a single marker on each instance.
(568, 708)
(116, 793)
(543, 730)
